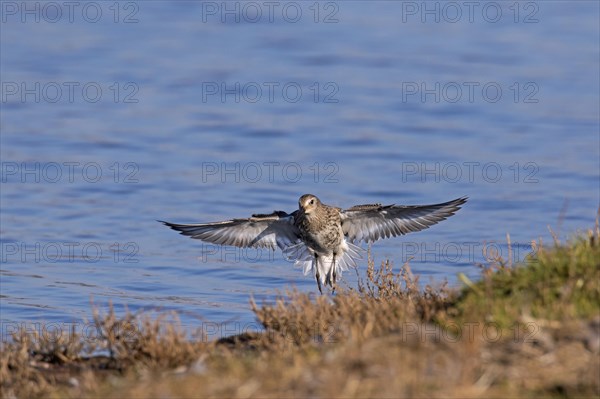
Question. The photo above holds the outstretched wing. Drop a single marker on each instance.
(262, 231)
(371, 222)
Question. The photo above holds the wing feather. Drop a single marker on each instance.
(371, 222)
(263, 231)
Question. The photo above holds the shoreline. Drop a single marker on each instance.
(521, 330)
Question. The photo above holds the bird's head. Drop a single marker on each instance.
(308, 203)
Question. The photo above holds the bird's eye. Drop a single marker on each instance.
(312, 202)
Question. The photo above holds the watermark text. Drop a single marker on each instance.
(271, 172)
(270, 92)
(68, 252)
(70, 92)
(52, 12)
(68, 172)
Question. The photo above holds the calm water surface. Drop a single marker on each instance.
(107, 127)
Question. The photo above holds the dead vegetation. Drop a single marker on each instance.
(382, 305)
(523, 330)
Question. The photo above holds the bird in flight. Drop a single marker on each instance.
(318, 237)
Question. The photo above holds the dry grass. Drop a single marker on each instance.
(153, 343)
(34, 364)
(384, 304)
(525, 330)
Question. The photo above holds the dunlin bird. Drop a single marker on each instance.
(319, 237)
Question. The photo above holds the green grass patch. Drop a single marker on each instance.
(556, 284)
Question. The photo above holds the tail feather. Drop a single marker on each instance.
(348, 260)
(301, 255)
(303, 258)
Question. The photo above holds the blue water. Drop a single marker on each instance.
(182, 111)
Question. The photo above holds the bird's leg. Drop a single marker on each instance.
(318, 275)
(328, 277)
(333, 273)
